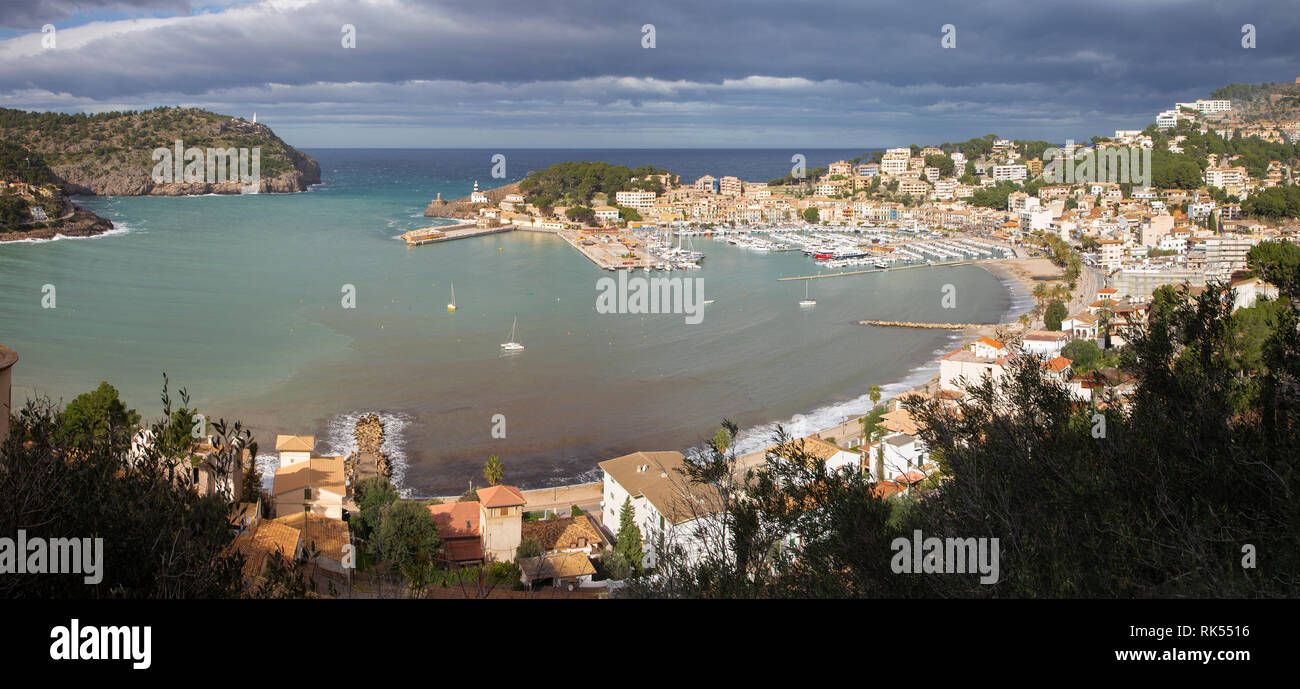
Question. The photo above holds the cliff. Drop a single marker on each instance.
(112, 153)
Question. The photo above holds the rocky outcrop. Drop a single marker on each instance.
(462, 209)
(369, 459)
(81, 224)
(81, 180)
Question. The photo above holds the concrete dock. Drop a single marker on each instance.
(447, 233)
(608, 249)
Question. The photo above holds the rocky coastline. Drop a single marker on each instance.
(81, 223)
(462, 208)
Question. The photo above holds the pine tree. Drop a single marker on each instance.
(629, 536)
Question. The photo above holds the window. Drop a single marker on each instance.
(306, 494)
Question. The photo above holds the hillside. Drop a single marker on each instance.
(32, 205)
(112, 153)
(1268, 102)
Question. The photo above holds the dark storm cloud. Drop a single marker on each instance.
(33, 14)
(761, 68)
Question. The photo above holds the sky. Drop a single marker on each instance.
(578, 73)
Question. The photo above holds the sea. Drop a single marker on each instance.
(297, 313)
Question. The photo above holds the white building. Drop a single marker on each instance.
(635, 199)
(666, 507)
(1013, 173)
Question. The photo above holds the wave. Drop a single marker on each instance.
(756, 438)
(340, 441)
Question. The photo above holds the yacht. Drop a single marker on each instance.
(512, 346)
(806, 301)
(452, 305)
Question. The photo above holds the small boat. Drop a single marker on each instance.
(708, 301)
(806, 301)
(452, 305)
(512, 346)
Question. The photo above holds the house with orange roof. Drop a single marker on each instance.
(483, 530)
(565, 535)
(458, 526)
(258, 546)
(294, 448)
(556, 569)
(1058, 368)
(329, 538)
(317, 485)
(983, 357)
(501, 513)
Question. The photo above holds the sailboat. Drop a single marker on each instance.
(806, 301)
(512, 346)
(452, 305)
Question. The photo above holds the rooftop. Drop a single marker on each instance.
(295, 443)
(457, 519)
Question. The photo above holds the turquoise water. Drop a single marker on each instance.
(238, 300)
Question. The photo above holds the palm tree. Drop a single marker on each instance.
(492, 470)
(1040, 293)
(875, 395)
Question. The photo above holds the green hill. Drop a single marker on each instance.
(112, 153)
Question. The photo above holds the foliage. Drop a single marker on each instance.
(161, 538)
(528, 547)
(1274, 202)
(1195, 471)
(1055, 313)
(1084, 354)
(408, 537)
(612, 565)
(372, 494)
(1277, 263)
(574, 183)
(492, 470)
(99, 417)
(628, 539)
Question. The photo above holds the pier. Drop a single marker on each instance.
(882, 270)
(608, 249)
(447, 233)
(935, 326)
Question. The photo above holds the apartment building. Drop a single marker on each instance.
(635, 199)
(731, 186)
(1012, 173)
(895, 161)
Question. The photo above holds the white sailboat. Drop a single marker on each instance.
(806, 301)
(452, 305)
(512, 346)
